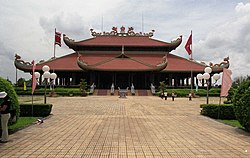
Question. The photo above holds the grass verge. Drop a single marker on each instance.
(234, 123)
(22, 123)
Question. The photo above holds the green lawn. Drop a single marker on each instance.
(25, 121)
(234, 123)
(22, 122)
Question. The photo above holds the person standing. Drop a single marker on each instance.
(166, 95)
(173, 95)
(190, 96)
(5, 116)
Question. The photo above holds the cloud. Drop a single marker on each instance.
(229, 39)
(5, 52)
(71, 24)
(6, 57)
(220, 28)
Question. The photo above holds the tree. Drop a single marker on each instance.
(162, 85)
(20, 82)
(9, 89)
(241, 101)
(238, 80)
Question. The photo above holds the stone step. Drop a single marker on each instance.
(106, 92)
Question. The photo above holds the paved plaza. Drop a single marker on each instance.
(135, 127)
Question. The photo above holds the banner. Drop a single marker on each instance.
(188, 45)
(33, 77)
(226, 82)
(58, 38)
(24, 86)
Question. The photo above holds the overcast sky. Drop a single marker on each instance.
(220, 28)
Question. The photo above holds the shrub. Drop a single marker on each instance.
(241, 101)
(223, 111)
(8, 88)
(83, 87)
(227, 102)
(40, 91)
(231, 93)
(70, 92)
(39, 110)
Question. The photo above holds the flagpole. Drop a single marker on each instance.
(54, 58)
(192, 78)
(32, 103)
(54, 45)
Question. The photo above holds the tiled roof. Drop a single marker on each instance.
(109, 62)
(130, 62)
(119, 41)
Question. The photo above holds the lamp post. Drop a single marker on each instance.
(37, 74)
(206, 77)
(53, 77)
(46, 75)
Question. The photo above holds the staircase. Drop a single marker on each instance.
(106, 92)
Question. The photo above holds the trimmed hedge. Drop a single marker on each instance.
(216, 111)
(59, 91)
(184, 92)
(39, 110)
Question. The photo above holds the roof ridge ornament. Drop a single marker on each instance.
(122, 32)
(225, 63)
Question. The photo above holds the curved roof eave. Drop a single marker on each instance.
(75, 44)
(87, 67)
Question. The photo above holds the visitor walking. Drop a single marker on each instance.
(5, 116)
(173, 95)
(166, 95)
(190, 96)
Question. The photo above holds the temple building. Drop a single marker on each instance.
(122, 58)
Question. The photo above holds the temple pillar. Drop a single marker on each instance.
(73, 78)
(182, 81)
(67, 81)
(40, 80)
(175, 81)
(129, 79)
(60, 81)
(152, 80)
(192, 81)
(170, 80)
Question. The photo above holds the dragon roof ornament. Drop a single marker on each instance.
(123, 32)
(223, 64)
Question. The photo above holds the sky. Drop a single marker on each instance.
(220, 28)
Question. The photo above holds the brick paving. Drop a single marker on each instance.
(136, 127)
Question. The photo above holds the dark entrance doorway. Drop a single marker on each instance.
(105, 80)
(122, 80)
(139, 80)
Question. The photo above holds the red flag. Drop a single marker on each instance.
(58, 38)
(226, 82)
(188, 45)
(33, 77)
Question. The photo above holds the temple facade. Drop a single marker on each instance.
(122, 58)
